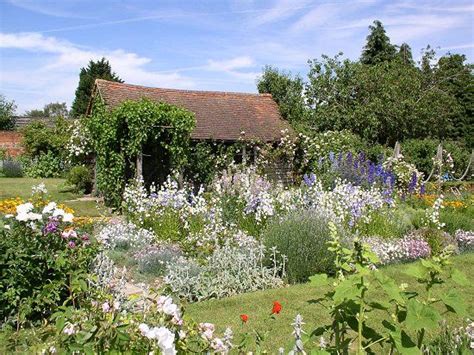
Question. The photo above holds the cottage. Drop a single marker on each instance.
(220, 116)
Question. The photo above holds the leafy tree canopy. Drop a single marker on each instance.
(287, 92)
(378, 47)
(7, 110)
(95, 70)
(53, 109)
(383, 97)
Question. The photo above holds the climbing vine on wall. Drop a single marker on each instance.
(118, 136)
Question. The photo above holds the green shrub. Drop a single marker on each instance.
(38, 138)
(41, 268)
(81, 178)
(421, 151)
(391, 224)
(437, 239)
(302, 237)
(45, 165)
(455, 219)
(12, 168)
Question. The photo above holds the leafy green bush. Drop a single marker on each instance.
(45, 165)
(390, 224)
(421, 151)
(12, 168)
(81, 178)
(42, 265)
(302, 237)
(39, 138)
(437, 239)
(455, 219)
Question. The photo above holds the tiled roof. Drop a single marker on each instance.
(219, 115)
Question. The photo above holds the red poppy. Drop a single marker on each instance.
(276, 307)
(244, 318)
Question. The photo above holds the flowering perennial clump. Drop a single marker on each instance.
(124, 235)
(406, 249)
(465, 240)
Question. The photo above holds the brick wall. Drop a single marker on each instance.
(11, 142)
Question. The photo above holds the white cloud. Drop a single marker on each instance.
(53, 70)
(233, 67)
(321, 15)
(230, 65)
(281, 10)
(50, 8)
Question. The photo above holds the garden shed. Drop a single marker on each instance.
(225, 117)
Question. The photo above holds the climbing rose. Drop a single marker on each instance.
(276, 307)
(244, 318)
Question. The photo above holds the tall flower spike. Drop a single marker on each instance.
(298, 333)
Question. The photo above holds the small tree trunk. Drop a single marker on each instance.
(139, 164)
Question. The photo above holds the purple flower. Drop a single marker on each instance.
(331, 157)
(71, 244)
(412, 184)
(310, 179)
(51, 226)
(423, 189)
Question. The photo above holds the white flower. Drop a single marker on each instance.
(165, 304)
(207, 330)
(69, 329)
(116, 305)
(58, 212)
(22, 217)
(24, 208)
(7, 226)
(163, 336)
(218, 345)
(35, 216)
(50, 207)
(165, 340)
(8, 215)
(68, 217)
(144, 329)
(105, 307)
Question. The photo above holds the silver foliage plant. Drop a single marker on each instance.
(230, 270)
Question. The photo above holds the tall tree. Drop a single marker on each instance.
(378, 47)
(287, 91)
(7, 111)
(453, 76)
(53, 109)
(95, 70)
(382, 103)
(405, 55)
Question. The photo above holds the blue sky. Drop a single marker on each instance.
(203, 45)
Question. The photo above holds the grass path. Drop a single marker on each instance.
(57, 191)
(299, 299)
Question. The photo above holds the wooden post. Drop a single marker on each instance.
(439, 158)
(140, 164)
(396, 150)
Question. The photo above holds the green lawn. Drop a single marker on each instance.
(298, 299)
(57, 191)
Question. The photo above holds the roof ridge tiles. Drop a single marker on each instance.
(115, 83)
